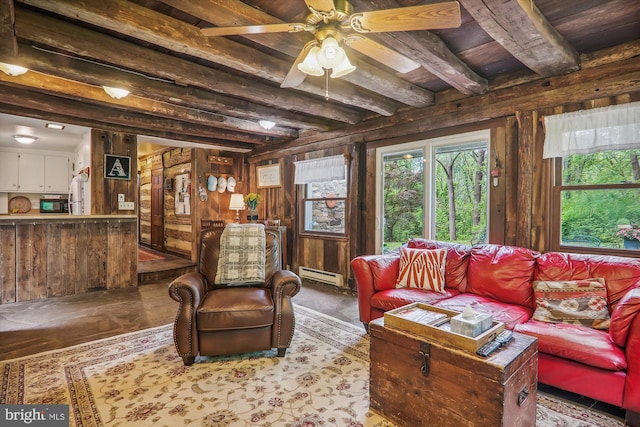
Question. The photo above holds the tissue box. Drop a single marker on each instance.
(471, 327)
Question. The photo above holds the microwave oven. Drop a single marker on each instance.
(54, 206)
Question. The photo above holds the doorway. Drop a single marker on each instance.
(157, 209)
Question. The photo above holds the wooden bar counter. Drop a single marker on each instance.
(50, 255)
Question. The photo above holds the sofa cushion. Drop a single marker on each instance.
(385, 269)
(455, 272)
(394, 298)
(621, 274)
(574, 342)
(626, 310)
(422, 269)
(504, 273)
(580, 302)
(509, 314)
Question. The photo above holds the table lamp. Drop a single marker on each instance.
(236, 203)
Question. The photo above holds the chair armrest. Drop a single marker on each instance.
(284, 283)
(189, 290)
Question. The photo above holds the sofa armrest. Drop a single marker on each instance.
(373, 273)
(189, 290)
(622, 317)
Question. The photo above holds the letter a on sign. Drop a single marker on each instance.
(117, 167)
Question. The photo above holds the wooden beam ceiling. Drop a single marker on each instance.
(520, 28)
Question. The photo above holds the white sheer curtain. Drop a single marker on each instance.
(318, 170)
(588, 131)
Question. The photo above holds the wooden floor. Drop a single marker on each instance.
(31, 327)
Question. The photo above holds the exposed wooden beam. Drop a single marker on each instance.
(612, 79)
(66, 37)
(144, 98)
(521, 29)
(92, 123)
(234, 12)
(103, 116)
(132, 20)
(8, 42)
(428, 50)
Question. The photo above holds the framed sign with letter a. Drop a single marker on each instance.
(117, 167)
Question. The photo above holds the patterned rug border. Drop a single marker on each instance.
(349, 338)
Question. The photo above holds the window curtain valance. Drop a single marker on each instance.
(318, 170)
(588, 131)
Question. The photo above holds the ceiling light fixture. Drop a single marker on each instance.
(328, 56)
(115, 93)
(56, 126)
(266, 124)
(24, 139)
(13, 70)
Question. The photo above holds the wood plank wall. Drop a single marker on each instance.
(50, 257)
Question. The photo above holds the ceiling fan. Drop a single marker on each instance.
(334, 22)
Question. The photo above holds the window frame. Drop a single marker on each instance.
(555, 214)
(302, 208)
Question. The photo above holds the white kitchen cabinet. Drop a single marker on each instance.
(56, 174)
(23, 172)
(30, 173)
(8, 171)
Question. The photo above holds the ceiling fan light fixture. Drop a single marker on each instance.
(310, 64)
(115, 93)
(25, 139)
(342, 69)
(13, 70)
(331, 54)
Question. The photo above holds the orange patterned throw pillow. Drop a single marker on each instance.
(579, 302)
(422, 268)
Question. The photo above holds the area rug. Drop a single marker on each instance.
(146, 255)
(138, 380)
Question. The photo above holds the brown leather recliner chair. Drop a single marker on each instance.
(215, 319)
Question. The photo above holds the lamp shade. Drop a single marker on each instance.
(25, 139)
(331, 54)
(343, 68)
(236, 202)
(310, 64)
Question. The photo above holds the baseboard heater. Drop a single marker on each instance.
(321, 276)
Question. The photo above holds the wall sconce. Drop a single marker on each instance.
(115, 93)
(237, 203)
(25, 139)
(13, 70)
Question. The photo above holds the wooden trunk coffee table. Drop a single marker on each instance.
(420, 382)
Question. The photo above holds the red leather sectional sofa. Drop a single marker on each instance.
(600, 364)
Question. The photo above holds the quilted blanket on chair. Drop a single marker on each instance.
(242, 254)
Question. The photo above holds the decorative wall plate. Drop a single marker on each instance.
(19, 204)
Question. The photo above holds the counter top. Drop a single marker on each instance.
(62, 217)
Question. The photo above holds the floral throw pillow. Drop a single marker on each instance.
(422, 268)
(580, 302)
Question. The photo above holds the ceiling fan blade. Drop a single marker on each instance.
(381, 53)
(423, 17)
(294, 77)
(254, 29)
(320, 5)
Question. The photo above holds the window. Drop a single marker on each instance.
(324, 205)
(597, 178)
(597, 199)
(433, 188)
